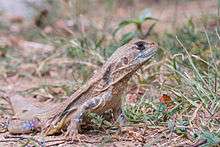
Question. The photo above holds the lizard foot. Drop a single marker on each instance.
(73, 133)
(75, 136)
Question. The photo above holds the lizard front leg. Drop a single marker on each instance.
(97, 105)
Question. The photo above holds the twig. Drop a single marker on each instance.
(8, 140)
(53, 140)
(155, 64)
(56, 144)
(199, 143)
(216, 30)
(6, 96)
(62, 61)
(195, 113)
(23, 138)
(42, 63)
(69, 140)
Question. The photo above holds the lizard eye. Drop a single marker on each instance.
(141, 45)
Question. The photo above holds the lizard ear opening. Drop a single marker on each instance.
(125, 60)
(107, 74)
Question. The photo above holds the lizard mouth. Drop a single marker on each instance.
(145, 55)
(148, 53)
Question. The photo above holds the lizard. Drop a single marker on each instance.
(102, 92)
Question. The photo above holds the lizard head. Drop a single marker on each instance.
(134, 54)
(139, 53)
(129, 58)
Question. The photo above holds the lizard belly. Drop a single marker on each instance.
(109, 103)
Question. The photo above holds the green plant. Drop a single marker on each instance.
(98, 121)
(138, 22)
(197, 90)
(149, 111)
(192, 76)
(193, 39)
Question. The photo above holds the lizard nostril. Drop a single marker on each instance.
(152, 44)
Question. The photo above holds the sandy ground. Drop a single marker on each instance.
(170, 15)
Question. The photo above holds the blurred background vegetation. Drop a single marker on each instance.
(49, 48)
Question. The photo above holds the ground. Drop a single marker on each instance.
(41, 58)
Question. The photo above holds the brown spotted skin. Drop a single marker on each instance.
(102, 92)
